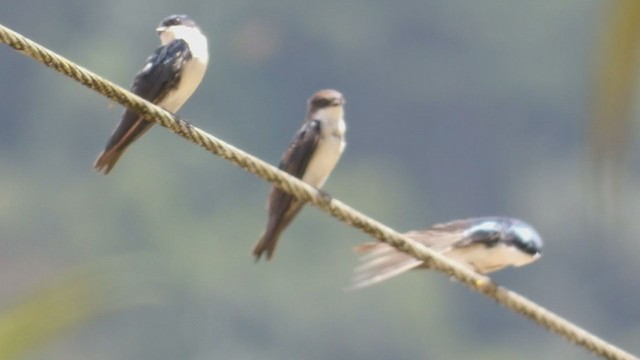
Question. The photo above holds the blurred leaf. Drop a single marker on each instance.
(614, 83)
(49, 313)
(59, 307)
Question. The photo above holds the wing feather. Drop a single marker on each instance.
(157, 78)
(283, 207)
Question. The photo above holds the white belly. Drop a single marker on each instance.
(191, 77)
(323, 161)
(486, 260)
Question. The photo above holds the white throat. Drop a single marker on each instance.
(332, 119)
(330, 146)
(193, 70)
(193, 36)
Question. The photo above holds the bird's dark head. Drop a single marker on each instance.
(181, 27)
(524, 237)
(325, 99)
(175, 20)
(495, 230)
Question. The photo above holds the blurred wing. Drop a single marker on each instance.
(381, 261)
(441, 237)
(453, 226)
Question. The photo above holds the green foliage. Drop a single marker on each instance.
(48, 313)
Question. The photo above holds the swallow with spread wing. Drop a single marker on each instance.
(483, 244)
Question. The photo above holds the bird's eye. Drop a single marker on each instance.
(526, 246)
(175, 20)
(321, 102)
(526, 239)
(533, 248)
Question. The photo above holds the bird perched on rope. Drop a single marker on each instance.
(169, 77)
(311, 157)
(483, 244)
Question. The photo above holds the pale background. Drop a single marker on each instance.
(455, 109)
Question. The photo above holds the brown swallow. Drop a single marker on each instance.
(169, 77)
(311, 157)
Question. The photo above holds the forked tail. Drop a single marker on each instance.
(267, 243)
(107, 160)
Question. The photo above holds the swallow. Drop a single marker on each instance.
(311, 157)
(485, 245)
(169, 77)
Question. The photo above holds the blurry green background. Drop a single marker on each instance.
(455, 109)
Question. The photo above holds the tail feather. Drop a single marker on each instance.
(266, 244)
(130, 128)
(373, 250)
(380, 262)
(278, 222)
(107, 160)
(269, 240)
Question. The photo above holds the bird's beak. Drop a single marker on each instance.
(161, 29)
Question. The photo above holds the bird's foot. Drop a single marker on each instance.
(325, 196)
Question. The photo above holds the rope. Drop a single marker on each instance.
(304, 191)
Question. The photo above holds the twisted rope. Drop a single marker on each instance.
(301, 190)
